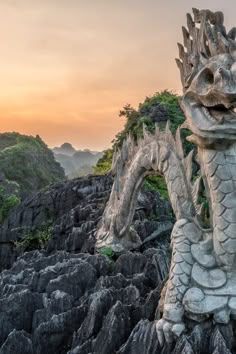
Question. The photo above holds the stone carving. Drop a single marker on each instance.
(202, 279)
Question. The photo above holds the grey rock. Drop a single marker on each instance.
(114, 331)
(55, 335)
(76, 282)
(129, 264)
(142, 340)
(17, 342)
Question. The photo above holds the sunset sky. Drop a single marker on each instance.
(68, 66)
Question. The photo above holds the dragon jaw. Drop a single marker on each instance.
(210, 100)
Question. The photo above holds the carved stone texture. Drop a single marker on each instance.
(202, 278)
(160, 153)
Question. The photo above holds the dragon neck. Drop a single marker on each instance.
(219, 171)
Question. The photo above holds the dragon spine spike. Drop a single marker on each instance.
(146, 135)
(182, 53)
(129, 138)
(188, 164)
(114, 160)
(197, 186)
(181, 69)
(140, 142)
(125, 151)
(232, 33)
(179, 145)
(130, 145)
(223, 43)
(211, 40)
(168, 135)
(157, 131)
(187, 40)
(190, 25)
(232, 48)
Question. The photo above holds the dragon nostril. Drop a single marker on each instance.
(209, 77)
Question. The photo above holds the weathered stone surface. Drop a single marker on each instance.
(75, 208)
(17, 342)
(76, 303)
(115, 312)
(143, 339)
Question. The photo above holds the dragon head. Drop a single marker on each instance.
(208, 73)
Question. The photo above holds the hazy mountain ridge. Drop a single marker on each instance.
(76, 163)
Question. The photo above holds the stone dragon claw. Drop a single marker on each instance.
(167, 331)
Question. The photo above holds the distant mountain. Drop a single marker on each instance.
(26, 166)
(65, 149)
(76, 163)
(27, 161)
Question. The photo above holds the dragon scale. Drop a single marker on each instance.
(220, 170)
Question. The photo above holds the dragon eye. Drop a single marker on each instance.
(205, 80)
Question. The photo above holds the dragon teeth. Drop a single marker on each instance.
(207, 113)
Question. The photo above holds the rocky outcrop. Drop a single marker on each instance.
(73, 210)
(64, 206)
(77, 303)
(81, 303)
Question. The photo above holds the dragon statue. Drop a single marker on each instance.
(202, 277)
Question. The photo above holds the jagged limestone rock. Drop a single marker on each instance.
(202, 278)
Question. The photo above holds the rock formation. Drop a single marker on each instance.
(68, 299)
(73, 210)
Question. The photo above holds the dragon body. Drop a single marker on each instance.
(202, 278)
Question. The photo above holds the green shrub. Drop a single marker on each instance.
(104, 164)
(107, 251)
(37, 239)
(135, 119)
(7, 202)
(156, 184)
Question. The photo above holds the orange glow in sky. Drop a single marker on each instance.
(68, 66)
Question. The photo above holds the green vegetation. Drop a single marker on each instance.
(156, 183)
(103, 165)
(165, 104)
(157, 109)
(28, 161)
(37, 239)
(7, 202)
(107, 251)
